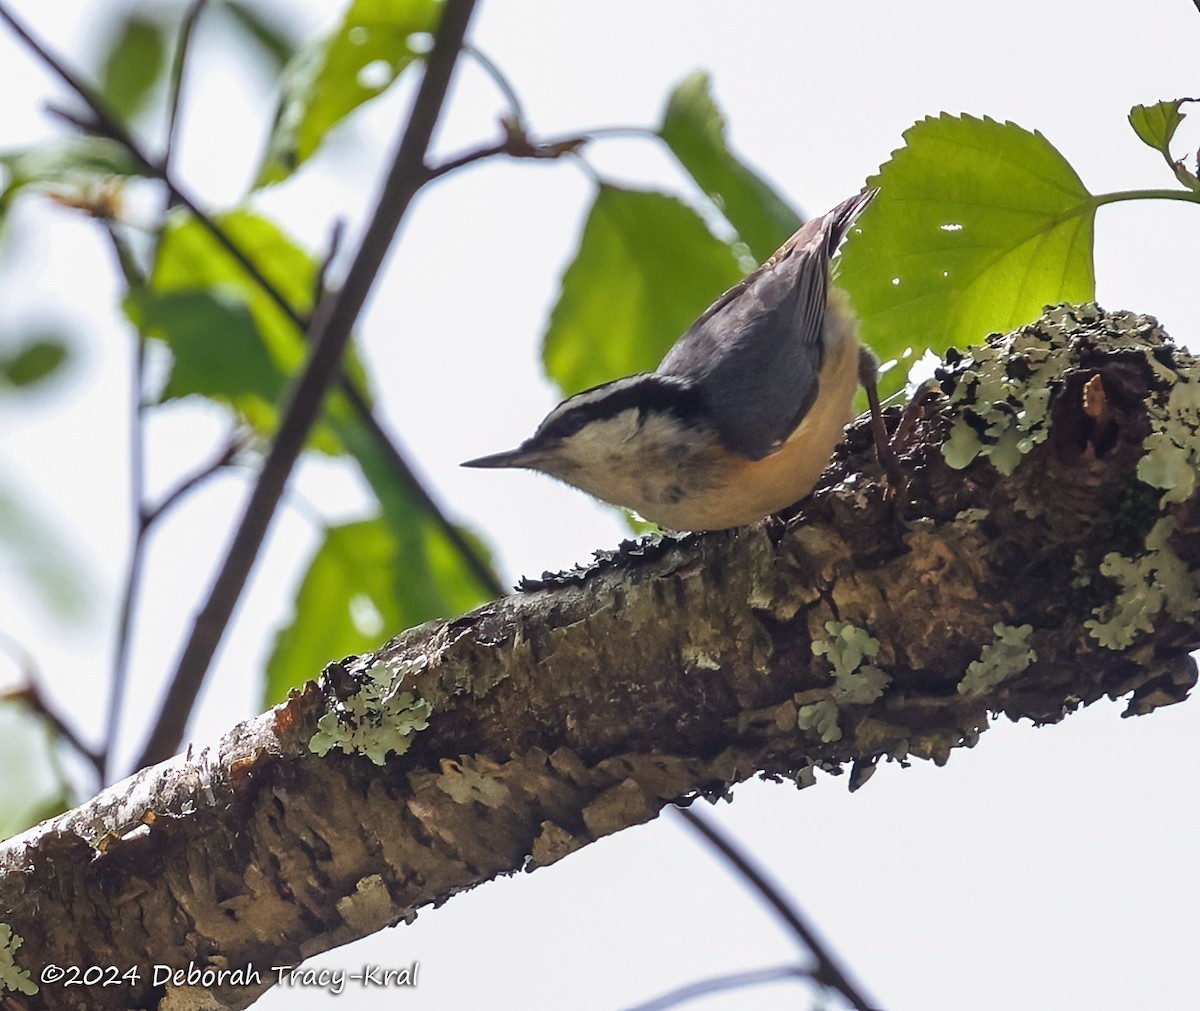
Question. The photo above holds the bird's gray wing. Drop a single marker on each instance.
(755, 353)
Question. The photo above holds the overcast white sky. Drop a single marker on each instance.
(1046, 869)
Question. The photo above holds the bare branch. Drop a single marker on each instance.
(182, 47)
(133, 570)
(828, 971)
(30, 694)
(720, 984)
(233, 445)
(516, 144)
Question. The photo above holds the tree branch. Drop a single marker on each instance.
(233, 445)
(670, 669)
(30, 694)
(828, 971)
(719, 984)
(175, 95)
(133, 571)
(516, 144)
(331, 329)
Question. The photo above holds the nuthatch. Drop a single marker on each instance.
(745, 410)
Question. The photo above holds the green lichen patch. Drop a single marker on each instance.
(1172, 457)
(1002, 391)
(846, 648)
(1154, 582)
(1002, 395)
(1009, 654)
(823, 718)
(375, 719)
(12, 976)
(855, 682)
(474, 780)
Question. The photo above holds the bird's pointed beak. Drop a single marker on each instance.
(509, 458)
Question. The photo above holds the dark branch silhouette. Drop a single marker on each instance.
(827, 970)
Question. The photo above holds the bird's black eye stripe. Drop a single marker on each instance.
(648, 394)
(568, 424)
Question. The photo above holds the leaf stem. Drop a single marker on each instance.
(1121, 196)
(516, 108)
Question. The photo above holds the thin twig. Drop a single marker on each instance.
(321, 285)
(30, 694)
(143, 518)
(516, 109)
(827, 971)
(717, 984)
(133, 571)
(518, 144)
(178, 65)
(401, 469)
(232, 447)
(332, 325)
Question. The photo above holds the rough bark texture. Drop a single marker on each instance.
(1057, 564)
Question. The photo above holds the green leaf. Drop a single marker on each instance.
(977, 227)
(694, 129)
(190, 258)
(646, 267)
(33, 787)
(133, 64)
(216, 348)
(367, 581)
(73, 163)
(37, 359)
(329, 79)
(191, 261)
(271, 35)
(70, 160)
(229, 340)
(1156, 126)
